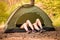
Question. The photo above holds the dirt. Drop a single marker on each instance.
(49, 35)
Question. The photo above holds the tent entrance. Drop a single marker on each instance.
(32, 16)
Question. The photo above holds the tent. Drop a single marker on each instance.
(28, 12)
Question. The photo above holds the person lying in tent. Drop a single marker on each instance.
(37, 25)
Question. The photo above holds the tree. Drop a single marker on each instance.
(3, 9)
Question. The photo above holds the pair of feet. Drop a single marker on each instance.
(37, 25)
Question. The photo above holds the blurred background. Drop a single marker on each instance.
(51, 7)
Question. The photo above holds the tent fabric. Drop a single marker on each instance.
(21, 14)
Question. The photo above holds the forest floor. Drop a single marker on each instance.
(48, 35)
(51, 35)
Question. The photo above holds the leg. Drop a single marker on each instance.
(29, 24)
(35, 26)
(24, 26)
(40, 25)
(38, 22)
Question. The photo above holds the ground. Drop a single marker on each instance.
(48, 35)
(51, 35)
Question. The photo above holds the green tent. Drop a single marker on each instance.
(28, 12)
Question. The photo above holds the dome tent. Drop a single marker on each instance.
(28, 12)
